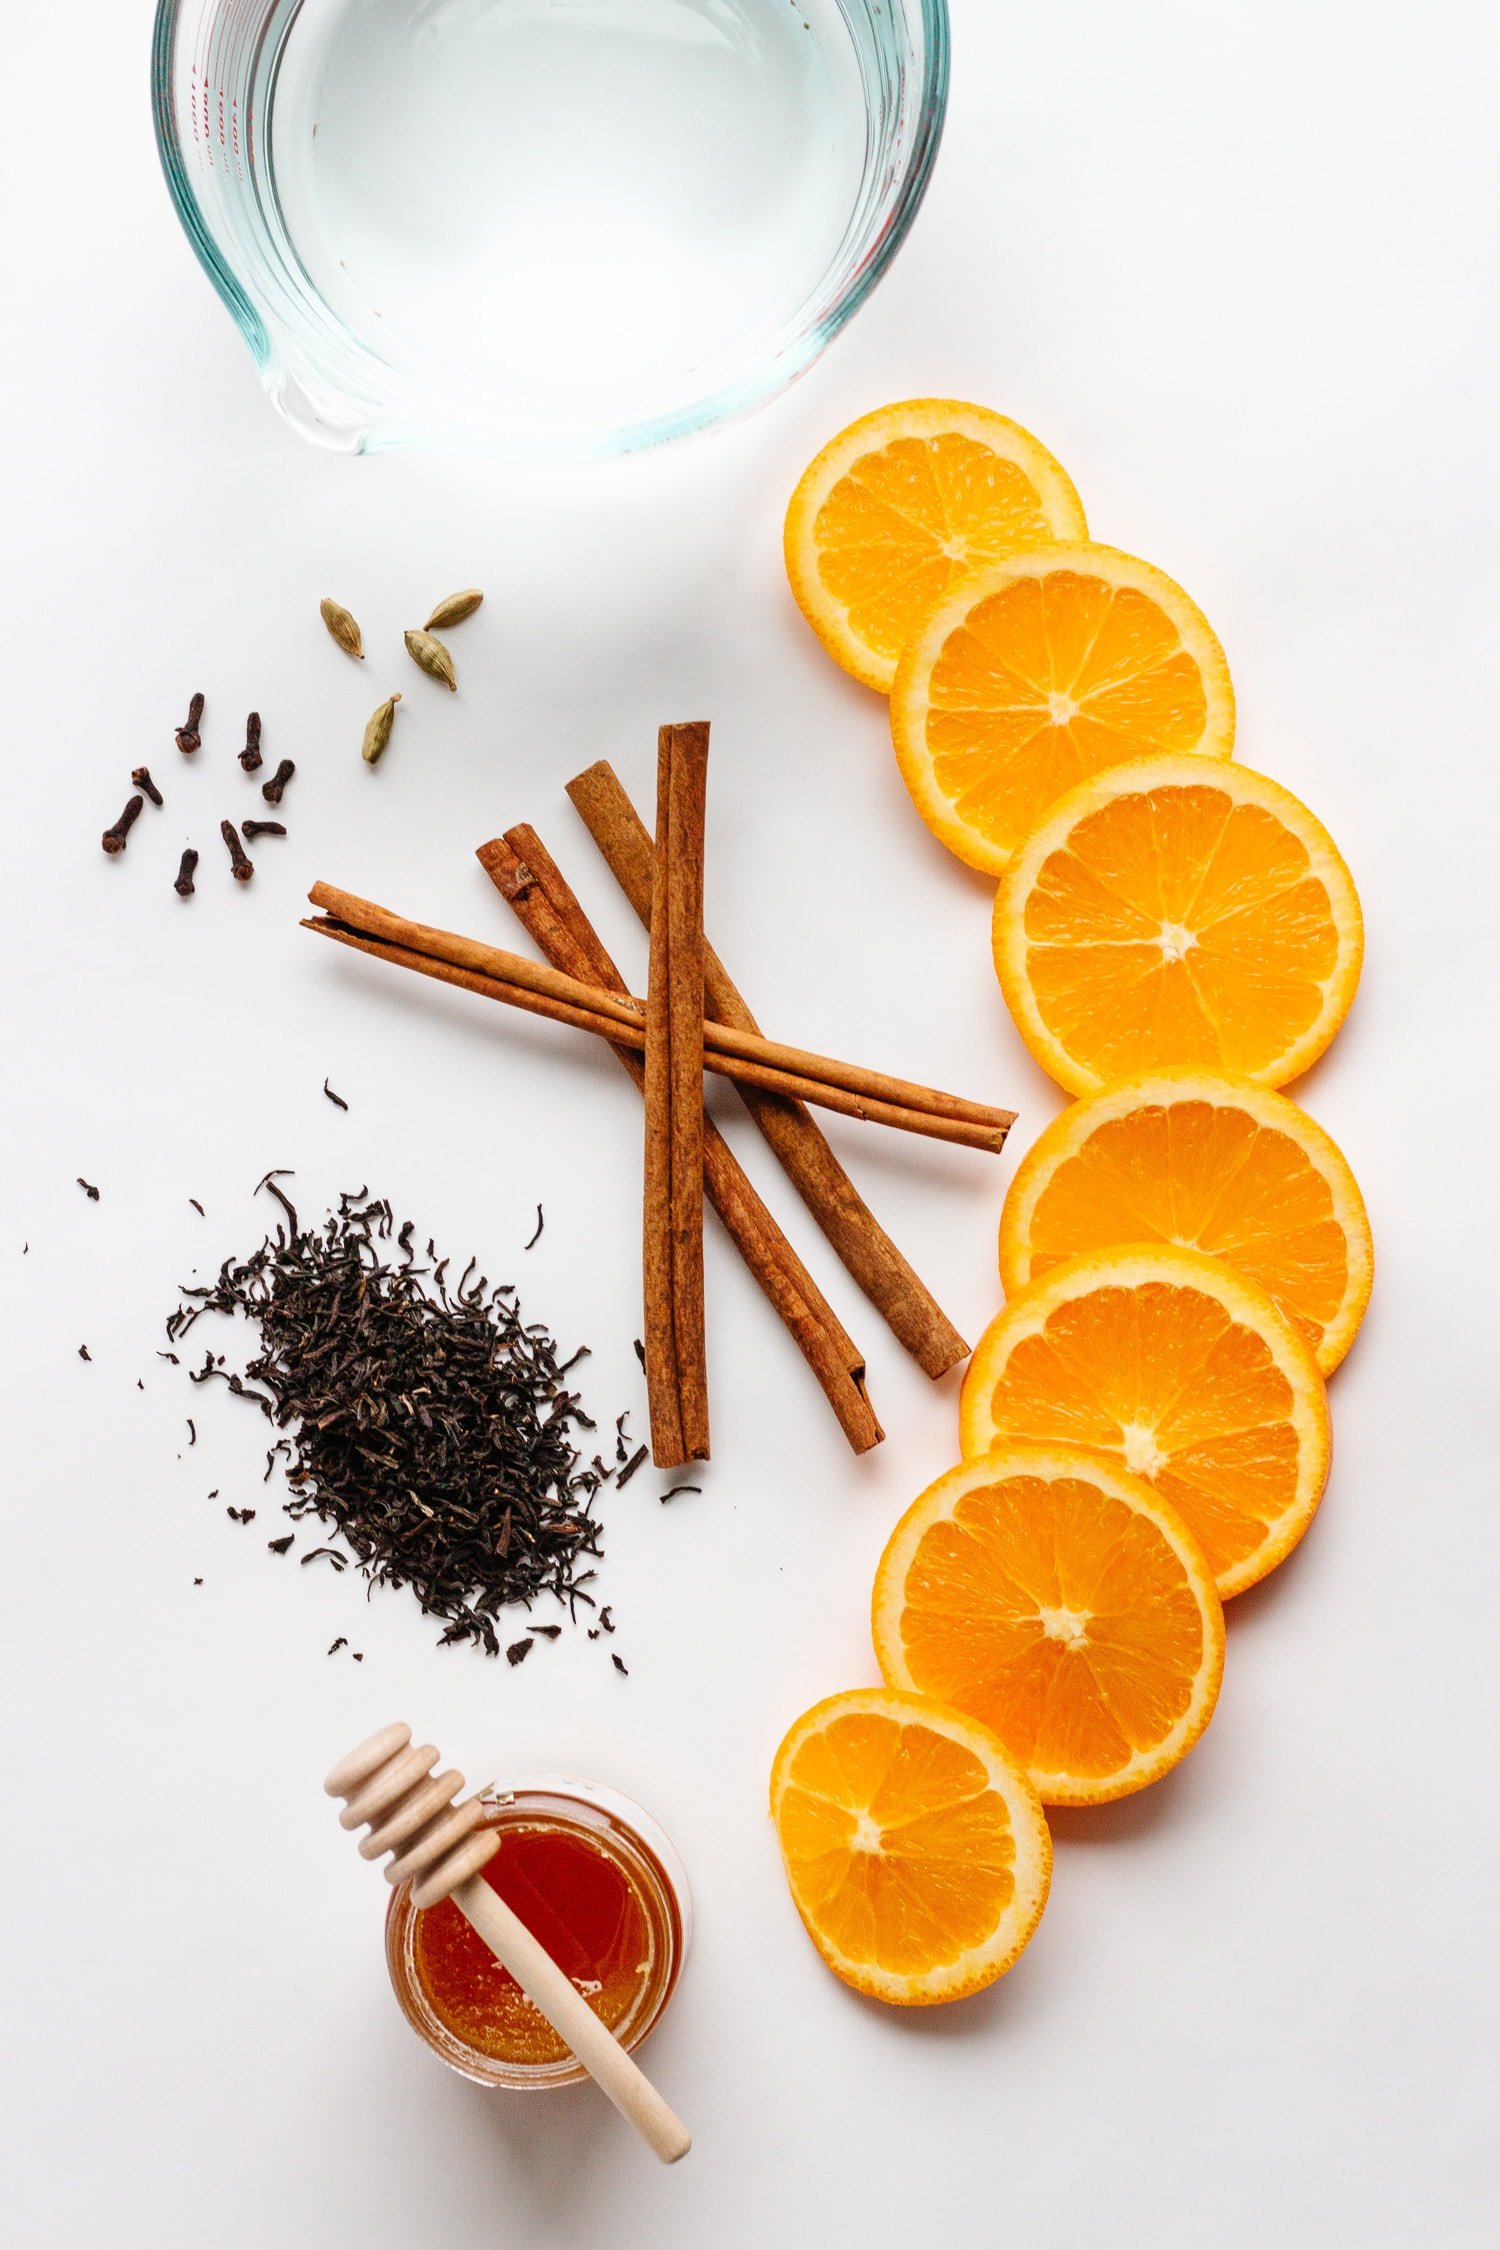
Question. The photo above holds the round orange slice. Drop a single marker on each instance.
(1171, 1365)
(1172, 912)
(1213, 1163)
(1062, 1603)
(900, 505)
(916, 1849)
(1030, 676)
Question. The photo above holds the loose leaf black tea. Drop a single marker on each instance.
(428, 1422)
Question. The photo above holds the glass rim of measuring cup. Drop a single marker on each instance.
(338, 391)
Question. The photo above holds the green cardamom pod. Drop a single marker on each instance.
(378, 732)
(433, 658)
(453, 609)
(342, 626)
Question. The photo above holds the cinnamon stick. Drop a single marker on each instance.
(676, 1357)
(541, 990)
(867, 1251)
(529, 880)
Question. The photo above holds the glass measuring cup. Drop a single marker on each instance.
(543, 228)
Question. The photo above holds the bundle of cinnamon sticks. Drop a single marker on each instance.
(694, 1018)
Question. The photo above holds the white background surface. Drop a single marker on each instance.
(1235, 265)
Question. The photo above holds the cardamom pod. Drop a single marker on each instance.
(453, 609)
(342, 626)
(378, 732)
(433, 658)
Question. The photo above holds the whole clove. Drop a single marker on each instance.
(254, 828)
(250, 755)
(88, 1188)
(115, 839)
(273, 789)
(184, 883)
(242, 867)
(141, 776)
(188, 737)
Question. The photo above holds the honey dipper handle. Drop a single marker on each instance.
(571, 2017)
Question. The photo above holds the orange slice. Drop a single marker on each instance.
(900, 505)
(1168, 912)
(1214, 1163)
(1031, 676)
(916, 1850)
(1173, 1366)
(1063, 1604)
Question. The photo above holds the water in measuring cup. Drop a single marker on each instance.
(568, 199)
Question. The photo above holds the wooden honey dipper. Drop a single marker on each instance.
(440, 1847)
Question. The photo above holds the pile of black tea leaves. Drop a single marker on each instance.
(425, 1420)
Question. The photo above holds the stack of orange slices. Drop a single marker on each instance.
(1185, 1254)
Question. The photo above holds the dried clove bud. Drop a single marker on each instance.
(378, 732)
(453, 609)
(242, 867)
(188, 737)
(253, 828)
(433, 658)
(184, 883)
(114, 839)
(141, 776)
(273, 789)
(250, 755)
(342, 626)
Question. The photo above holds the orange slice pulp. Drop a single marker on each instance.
(1173, 1366)
(916, 1850)
(1030, 676)
(1214, 1163)
(901, 504)
(1166, 911)
(1063, 1603)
